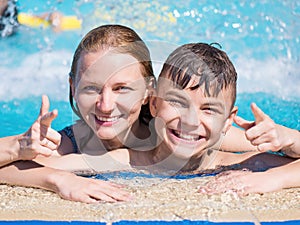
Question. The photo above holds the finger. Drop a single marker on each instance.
(259, 140)
(87, 200)
(53, 136)
(267, 136)
(47, 118)
(49, 144)
(256, 131)
(259, 115)
(45, 105)
(264, 147)
(245, 124)
(114, 192)
(102, 196)
(120, 195)
(81, 198)
(45, 151)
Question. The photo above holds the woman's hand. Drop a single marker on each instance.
(88, 190)
(40, 139)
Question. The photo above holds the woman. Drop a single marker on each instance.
(110, 80)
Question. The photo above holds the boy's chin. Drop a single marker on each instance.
(185, 154)
(188, 154)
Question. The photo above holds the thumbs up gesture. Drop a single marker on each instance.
(40, 139)
(263, 132)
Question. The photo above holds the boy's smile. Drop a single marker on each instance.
(192, 121)
(181, 135)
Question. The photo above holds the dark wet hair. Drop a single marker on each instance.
(211, 64)
(124, 40)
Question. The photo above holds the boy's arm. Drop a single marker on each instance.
(293, 149)
(235, 141)
(245, 182)
(68, 185)
(262, 135)
(114, 160)
(288, 174)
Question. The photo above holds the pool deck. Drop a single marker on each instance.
(154, 199)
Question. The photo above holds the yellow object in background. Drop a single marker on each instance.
(70, 23)
(67, 22)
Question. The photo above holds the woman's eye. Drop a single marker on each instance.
(92, 89)
(123, 89)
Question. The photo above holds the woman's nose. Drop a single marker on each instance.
(106, 101)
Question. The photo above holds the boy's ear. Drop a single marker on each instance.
(149, 91)
(229, 120)
(153, 105)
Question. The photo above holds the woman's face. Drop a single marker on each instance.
(109, 91)
(189, 121)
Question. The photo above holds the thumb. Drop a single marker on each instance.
(245, 124)
(259, 115)
(47, 119)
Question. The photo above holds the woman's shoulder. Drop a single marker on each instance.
(69, 138)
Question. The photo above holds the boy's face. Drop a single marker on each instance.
(188, 120)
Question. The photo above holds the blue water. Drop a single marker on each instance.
(261, 38)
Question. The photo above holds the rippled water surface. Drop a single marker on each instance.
(261, 38)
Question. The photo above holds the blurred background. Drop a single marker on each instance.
(261, 38)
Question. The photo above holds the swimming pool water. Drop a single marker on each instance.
(261, 37)
(18, 114)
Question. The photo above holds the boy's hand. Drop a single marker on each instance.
(263, 133)
(40, 139)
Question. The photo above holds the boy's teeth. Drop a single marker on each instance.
(186, 136)
(107, 119)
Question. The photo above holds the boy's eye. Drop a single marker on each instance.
(210, 110)
(176, 103)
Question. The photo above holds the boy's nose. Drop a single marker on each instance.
(191, 118)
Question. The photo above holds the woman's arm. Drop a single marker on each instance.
(67, 185)
(40, 139)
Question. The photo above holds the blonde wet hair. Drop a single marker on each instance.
(124, 40)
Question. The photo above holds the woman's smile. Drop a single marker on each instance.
(107, 121)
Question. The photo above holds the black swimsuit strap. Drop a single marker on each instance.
(70, 134)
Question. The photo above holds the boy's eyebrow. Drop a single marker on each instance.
(194, 87)
(214, 103)
(176, 93)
